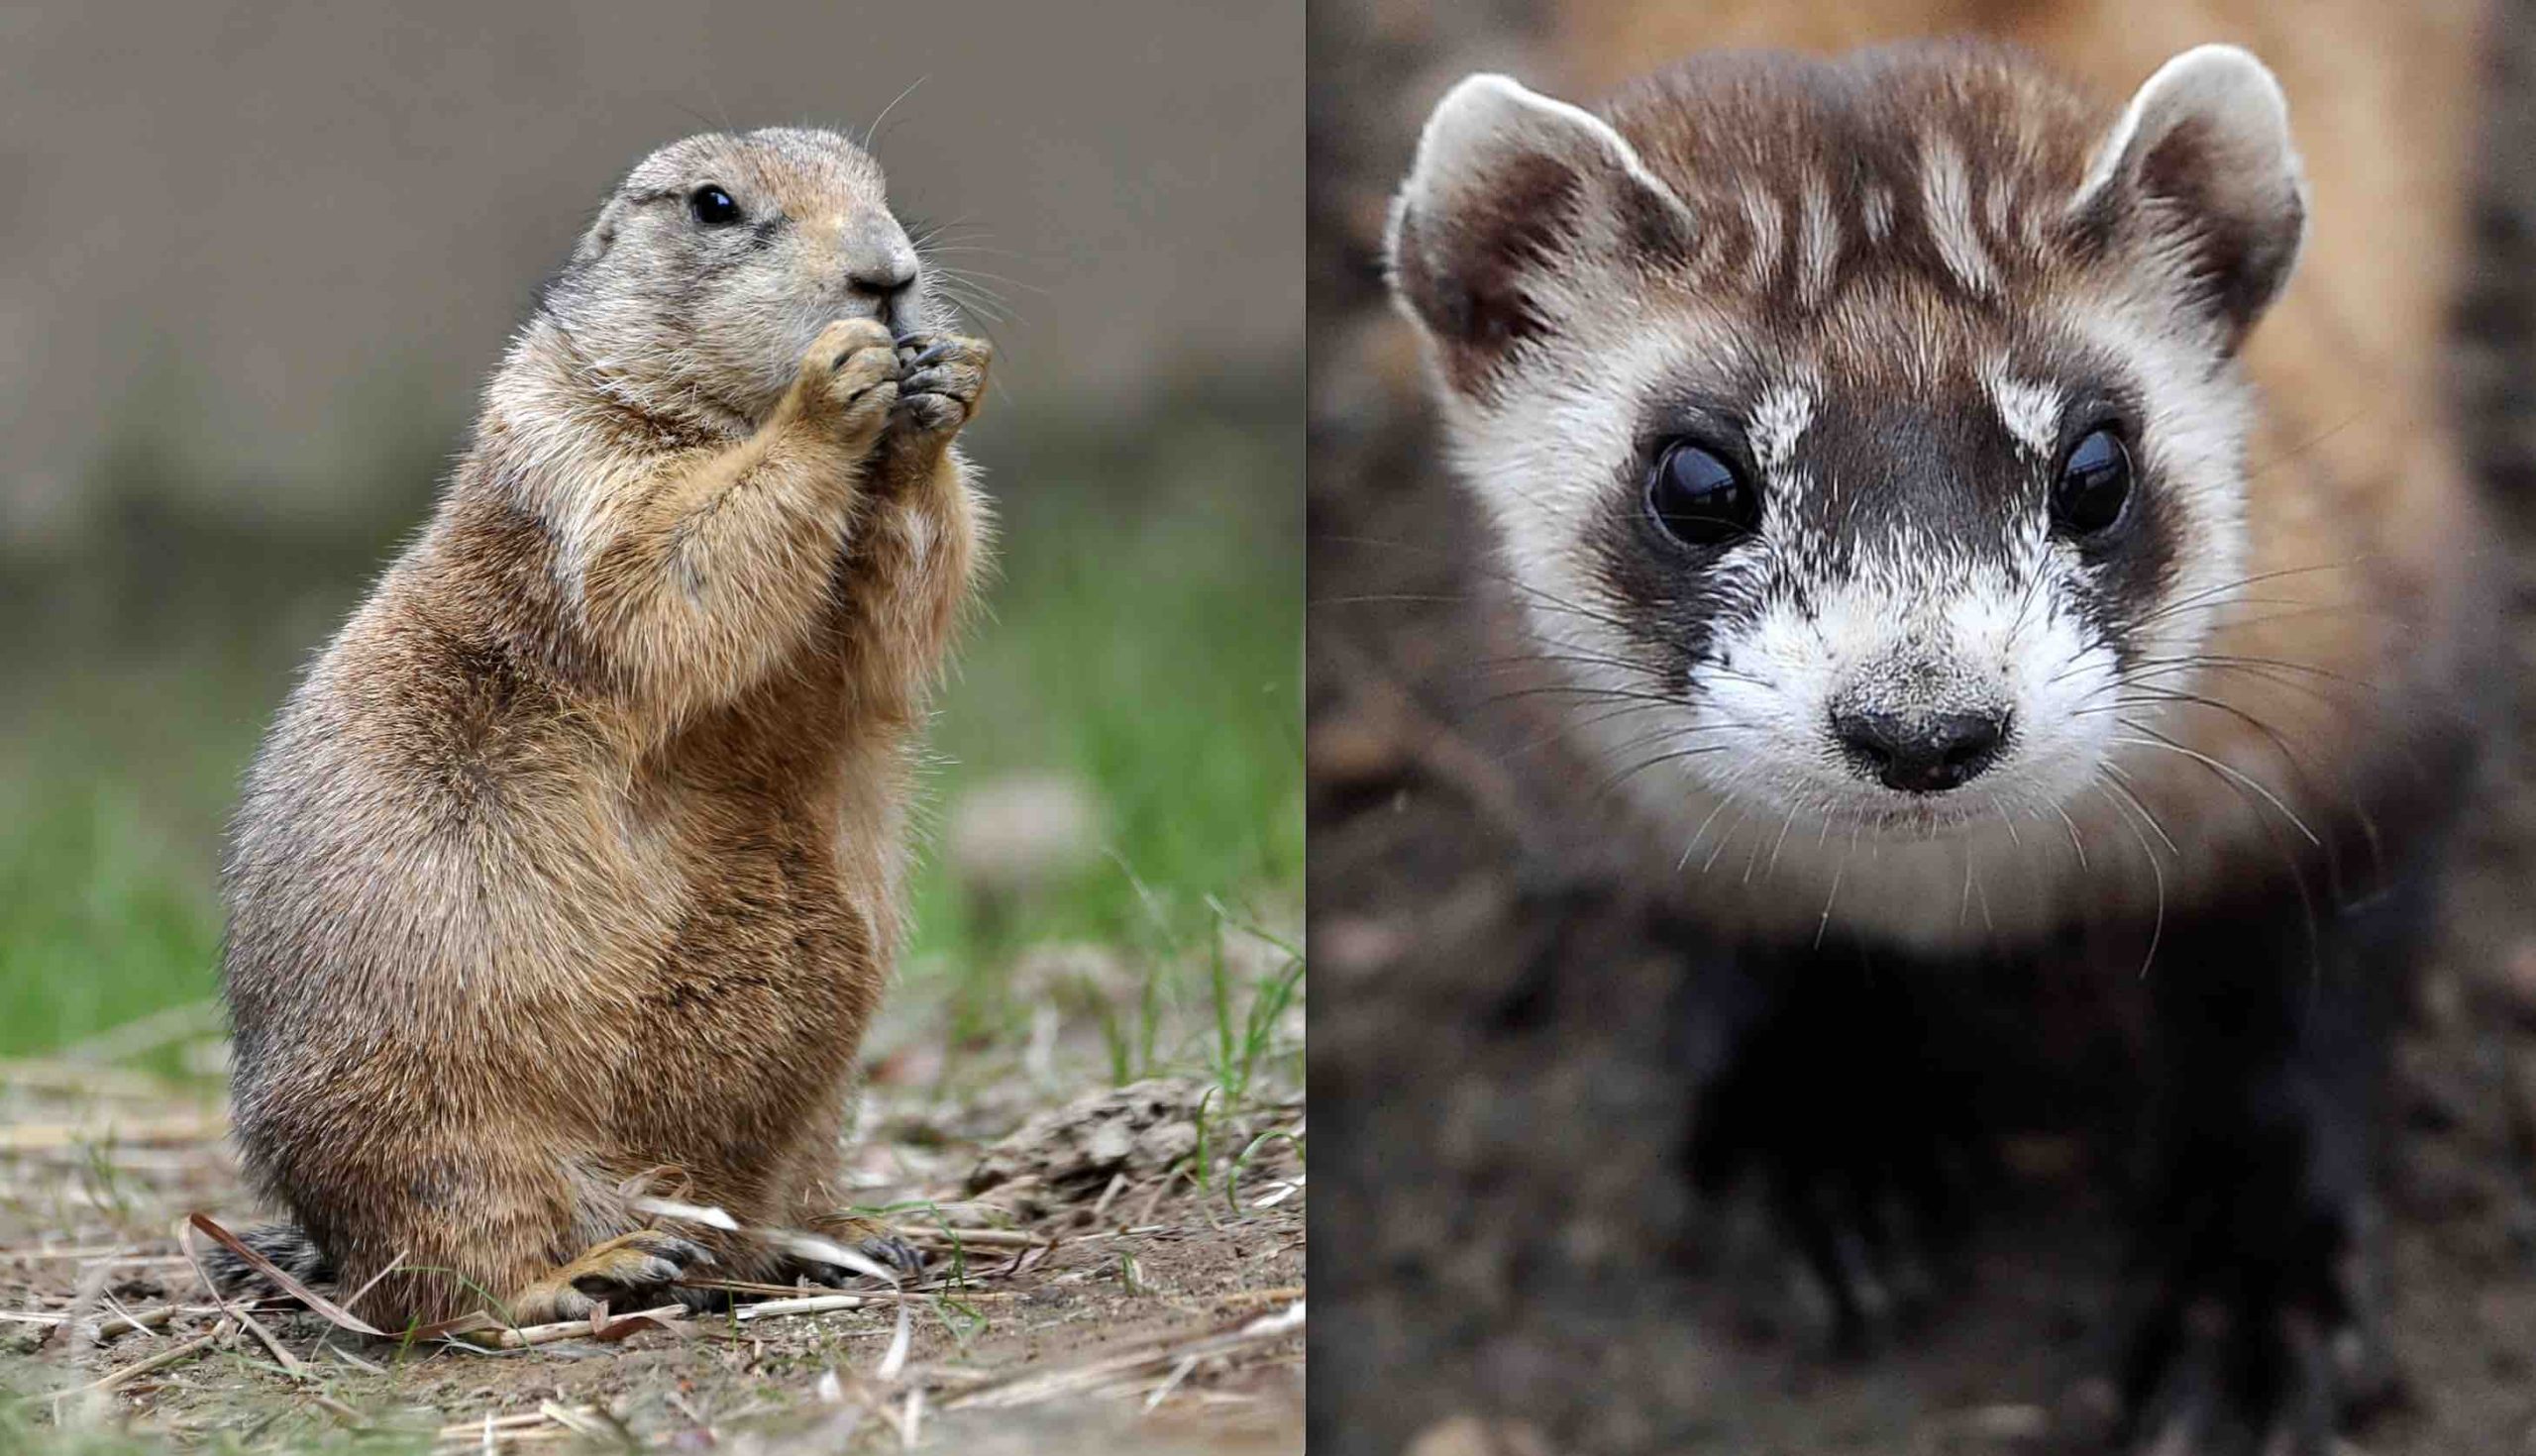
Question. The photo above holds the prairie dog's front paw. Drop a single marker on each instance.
(849, 381)
(941, 378)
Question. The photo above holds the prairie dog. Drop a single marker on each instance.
(576, 855)
(1878, 446)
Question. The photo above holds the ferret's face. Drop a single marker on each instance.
(1893, 566)
(1864, 458)
(724, 256)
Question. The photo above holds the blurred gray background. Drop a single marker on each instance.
(276, 231)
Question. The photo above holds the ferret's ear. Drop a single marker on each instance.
(1514, 204)
(2202, 162)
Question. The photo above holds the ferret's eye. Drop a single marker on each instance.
(712, 206)
(1700, 499)
(2095, 480)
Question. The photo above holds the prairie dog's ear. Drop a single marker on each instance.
(2202, 159)
(1515, 202)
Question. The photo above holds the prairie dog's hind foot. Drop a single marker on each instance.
(849, 381)
(620, 1273)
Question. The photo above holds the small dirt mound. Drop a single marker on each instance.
(1074, 1151)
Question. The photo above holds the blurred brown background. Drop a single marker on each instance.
(1507, 1259)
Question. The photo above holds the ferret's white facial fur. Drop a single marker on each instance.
(1909, 623)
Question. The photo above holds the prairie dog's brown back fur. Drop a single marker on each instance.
(576, 854)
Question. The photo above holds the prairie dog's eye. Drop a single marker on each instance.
(1699, 498)
(2093, 484)
(712, 206)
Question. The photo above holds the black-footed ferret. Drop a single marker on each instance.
(1876, 444)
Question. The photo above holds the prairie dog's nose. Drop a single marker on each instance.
(1921, 753)
(880, 262)
(892, 273)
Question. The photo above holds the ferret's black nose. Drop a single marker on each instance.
(1921, 753)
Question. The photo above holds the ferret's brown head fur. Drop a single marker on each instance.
(718, 260)
(1858, 428)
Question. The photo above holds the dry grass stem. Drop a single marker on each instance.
(1083, 1377)
(161, 1361)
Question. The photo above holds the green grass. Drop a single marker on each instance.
(102, 924)
(1145, 642)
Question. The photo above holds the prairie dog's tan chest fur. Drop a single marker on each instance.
(576, 855)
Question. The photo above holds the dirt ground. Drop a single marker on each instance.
(1110, 1269)
(1507, 1259)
